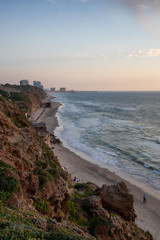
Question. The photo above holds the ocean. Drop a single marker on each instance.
(119, 130)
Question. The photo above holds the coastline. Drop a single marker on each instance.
(148, 215)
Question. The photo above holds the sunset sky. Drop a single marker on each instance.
(81, 44)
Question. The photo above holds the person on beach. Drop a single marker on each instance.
(144, 198)
(75, 179)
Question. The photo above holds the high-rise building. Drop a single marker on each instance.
(53, 89)
(24, 82)
(63, 89)
(37, 84)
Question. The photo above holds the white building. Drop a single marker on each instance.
(24, 82)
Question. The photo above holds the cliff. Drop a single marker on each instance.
(38, 199)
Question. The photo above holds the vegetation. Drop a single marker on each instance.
(15, 225)
(84, 190)
(74, 215)
(4, 94)
(43, 175)
(41, 205)
(150, 235)
(94, 222)
(41, 164)
(9, 184)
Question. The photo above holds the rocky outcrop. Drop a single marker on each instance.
(116, 198)
(108, 211)
(94, 204)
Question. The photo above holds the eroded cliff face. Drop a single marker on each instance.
(47, 203)
(31, 162)
(35, 96)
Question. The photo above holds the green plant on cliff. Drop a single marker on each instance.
(74, 215)
(94, 222)
(16, 225)
(41, 164)
(41, 205)
(149, 235)
(8, 184)
(43, 175)
(83, 190)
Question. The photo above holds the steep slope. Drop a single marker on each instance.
(35, 192)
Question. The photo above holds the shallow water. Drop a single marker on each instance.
(118, 129)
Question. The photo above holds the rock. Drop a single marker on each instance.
(51, 225)
(33, 184)
(117, 199)
(95, 207)
(41, 223)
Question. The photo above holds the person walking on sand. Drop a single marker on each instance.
(144, 198)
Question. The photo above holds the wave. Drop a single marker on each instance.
(126, 141)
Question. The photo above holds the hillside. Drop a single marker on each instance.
(39, 200)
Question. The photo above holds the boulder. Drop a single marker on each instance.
(116, 198)
(95, 207)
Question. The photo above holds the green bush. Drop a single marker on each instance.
(149, 235)
(53, 172)
(43, 175)
(41, 164)
(83, 187)
(41, 205)
(80, 186)
(74, 216)
(19, 97)
(4, 93)
(8, 184)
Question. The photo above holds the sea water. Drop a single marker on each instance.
(120, 130)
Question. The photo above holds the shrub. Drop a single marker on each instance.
(8, 184)
(74, 216)
(43, 175)
(84, 187)
(41, 164)
(4, 196)
(149, 235)
(41, 206)
(52, 171)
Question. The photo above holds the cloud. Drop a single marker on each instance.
(147, 12)
(145, 53)
(138, 6)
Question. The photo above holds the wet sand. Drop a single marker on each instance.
(148, 215)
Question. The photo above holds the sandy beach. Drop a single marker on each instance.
(148, 215)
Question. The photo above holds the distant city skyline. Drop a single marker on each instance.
(81, 44)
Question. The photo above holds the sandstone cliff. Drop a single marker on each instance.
(38, 199)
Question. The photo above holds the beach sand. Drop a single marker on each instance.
(148, 215)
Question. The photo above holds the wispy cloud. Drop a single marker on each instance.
(145, 53)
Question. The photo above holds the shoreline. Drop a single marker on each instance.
(148, 215)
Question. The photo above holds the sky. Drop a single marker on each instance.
(104, 45)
